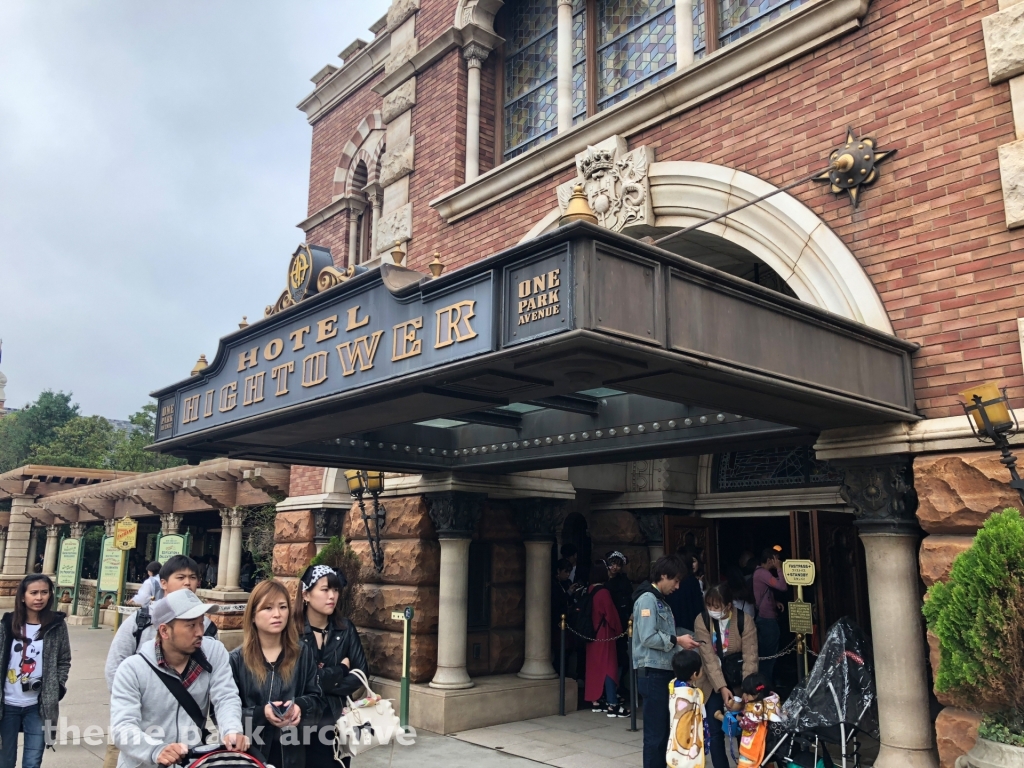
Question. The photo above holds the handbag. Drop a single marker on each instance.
(365, 723)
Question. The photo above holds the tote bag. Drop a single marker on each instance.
(366, 723)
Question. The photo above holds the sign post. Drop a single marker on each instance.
(800, 574)
(69, 566)
(125, 532)
(406, 618)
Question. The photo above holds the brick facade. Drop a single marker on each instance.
(306, 481)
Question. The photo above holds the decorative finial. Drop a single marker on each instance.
(854, 165)
(200, 365)
(244, 323)
(397, 254)
(578, 208)
(436, 267)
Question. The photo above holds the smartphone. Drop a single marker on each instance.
(281, 712)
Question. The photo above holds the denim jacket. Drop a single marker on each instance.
(654, 629)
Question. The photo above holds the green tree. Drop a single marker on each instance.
(129, 453)
(36, 425)
(85, 441)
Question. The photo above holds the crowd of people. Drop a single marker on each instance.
(697, 648)
(278, 696)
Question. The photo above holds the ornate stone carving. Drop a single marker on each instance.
(393, 226)
(77, 531)
(170, 522)
(475, 54)
(652, 524)
(881, 491)
(238, 517)
(400, 55)
(327, 523)
(400, 10)
(648, 475)
(455, 514)
(108, 526)
(396, 163)
(399, 100)
(616, 184)
(539, 518)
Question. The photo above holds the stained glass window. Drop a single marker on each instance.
(579, 61)
(768, 468)
(700, 47)
(636, 46)
(531, 72)
(741, 17)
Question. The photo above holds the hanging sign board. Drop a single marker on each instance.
(110, 566)
(798, 573)
(801, 618)
(67, 564)
(125, 533)
(170, 545)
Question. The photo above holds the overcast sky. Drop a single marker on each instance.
(152, 169)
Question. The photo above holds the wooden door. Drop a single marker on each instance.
(842, 579)
(698, 534)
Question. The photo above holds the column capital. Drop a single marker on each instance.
(374, 193)
(170, 522)
(475, 54)
(539, 517)
(455, 514)
(237, 515)
(77, 530)
(565, 2)
(108, 526)
(881, 491)
(52, 531)
(652, 524)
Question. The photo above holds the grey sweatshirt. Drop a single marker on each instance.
(123, 644)
(145, 717)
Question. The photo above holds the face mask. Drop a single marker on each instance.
(716, 615)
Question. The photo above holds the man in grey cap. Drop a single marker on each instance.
(162, 695)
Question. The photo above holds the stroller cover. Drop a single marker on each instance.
(840, 689)
(222, 758)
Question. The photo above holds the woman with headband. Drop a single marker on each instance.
(336, 647)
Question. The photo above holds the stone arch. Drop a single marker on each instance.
(781, 231)
(372, 122)
(369, 154)
(479, 13)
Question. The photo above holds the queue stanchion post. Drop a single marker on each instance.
(634, 698)
(403, 706)
(561, 667)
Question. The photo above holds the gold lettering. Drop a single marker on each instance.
(208, 404)
(273, 350)
(252, 392)
(280, 374)
(554, 279)
(456, 323)
(190, 409)
(524, 289)
(361, 352)
(353, 323)
(314, 369)
(405, 344)
(531, 304)
(542, 300)
(167, 417)
(539, 283)
(248, 359)
(228, 397)
(326, 328)
(296, 336)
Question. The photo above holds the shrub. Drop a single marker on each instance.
(978, 617)
(341, 557)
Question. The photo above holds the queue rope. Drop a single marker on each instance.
(791, 648)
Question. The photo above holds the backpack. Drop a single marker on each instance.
(732, 665)
(143, 620)
(583, 617)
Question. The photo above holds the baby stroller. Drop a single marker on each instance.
(216, 756)
(833, 706)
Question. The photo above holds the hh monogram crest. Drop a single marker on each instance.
(616, 184)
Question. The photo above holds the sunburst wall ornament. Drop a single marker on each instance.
(854, 165)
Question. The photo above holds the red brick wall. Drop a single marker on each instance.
(434, 17)
(306, 481)
(332, 234)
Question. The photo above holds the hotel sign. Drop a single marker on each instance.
(365, 335)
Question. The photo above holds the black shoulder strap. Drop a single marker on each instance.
(142, 620)
(189, 704)
(211, 630)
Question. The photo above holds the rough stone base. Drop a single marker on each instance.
(491, 701)
(956, 732)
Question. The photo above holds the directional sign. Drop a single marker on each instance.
(801, 619)
(125, 532)
(798, 573)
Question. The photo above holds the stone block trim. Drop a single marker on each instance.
(293, 527)
(400, 10)
(400, 55)
(938, 554)
(397, 162)
(372, 605)
(957, 492)
(1011, 174)
(394, 226)
(412, 562)
(384, 654)
(1004, 43)
(292, 559)
(407, 518)
(956, 733)
(399, 100)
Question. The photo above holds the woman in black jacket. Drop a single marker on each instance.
(335, 645)
(276, 678)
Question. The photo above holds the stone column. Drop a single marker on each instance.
(474, 53)
(455, 515)
(235, 549)
(564, 65)
(33, 548)
(652, 525)
(375, 197)
(881, 492)
(353, 236)
(108, 526)
(539, 518)
(50, 553)
(225, 547)
(3, 547)
(77, 530)
(170, 523)
(684, 34)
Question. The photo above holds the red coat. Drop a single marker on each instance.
(602, 660)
